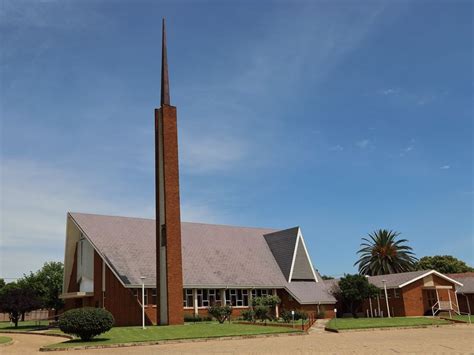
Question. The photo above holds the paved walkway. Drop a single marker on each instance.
(457, 339)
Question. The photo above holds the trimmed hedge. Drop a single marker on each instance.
(86, 322)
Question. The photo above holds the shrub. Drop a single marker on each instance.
(286, 315)
(322, 314)
(301, 315)
(248, 315)
(221, 313)
(196, 318)
(261, 313)
(86, 322)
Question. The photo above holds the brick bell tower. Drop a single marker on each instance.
(169, 275)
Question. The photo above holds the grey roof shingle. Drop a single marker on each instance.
(467, 280)
(282, 245)
(395, 280)
(311, 292)
(213, 255)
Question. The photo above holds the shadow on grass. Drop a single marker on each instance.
(86, 342)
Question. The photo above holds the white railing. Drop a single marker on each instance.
(444, 306)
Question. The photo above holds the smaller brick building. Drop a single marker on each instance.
(466, 291)
(414, 293)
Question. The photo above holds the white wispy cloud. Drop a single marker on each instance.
(336, 148)
(408, 148)
(389, 91)
(445, 167)
(364, 143)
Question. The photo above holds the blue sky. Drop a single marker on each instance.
(339, 117)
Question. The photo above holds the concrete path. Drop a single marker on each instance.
(318, 326)
(457, 339)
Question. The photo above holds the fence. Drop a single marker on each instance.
(37, 314)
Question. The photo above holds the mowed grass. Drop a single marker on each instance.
(362, 323)
(4, 340)
(22, 326)
(188, 331)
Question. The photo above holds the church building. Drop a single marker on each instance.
(185, 267)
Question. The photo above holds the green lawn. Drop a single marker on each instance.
(361, 323)
(22, 326)
(4, 340)
(187, 331)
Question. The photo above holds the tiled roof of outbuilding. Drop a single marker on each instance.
(467, 280)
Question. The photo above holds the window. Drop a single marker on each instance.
(382, 294)
(237, 297)
(153, 296)
(135, 292)
(146, 297)
(188, 298)
(205, 297)
(396, 293)
(260, 292)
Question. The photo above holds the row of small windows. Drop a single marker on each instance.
(395, 292)
(233, 297)
(137, 292)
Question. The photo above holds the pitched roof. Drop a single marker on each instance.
(282, 245)
(467, 280)
(213, 255)
(405, 278)
(395, 280)
(310, 292)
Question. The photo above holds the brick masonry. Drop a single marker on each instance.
(174, 273)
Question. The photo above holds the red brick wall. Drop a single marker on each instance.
(172, 212)
(288, 303)
(463, 302)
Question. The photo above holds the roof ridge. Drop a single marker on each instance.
(202, 223)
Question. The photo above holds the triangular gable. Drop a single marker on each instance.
(289, 249)
(282, 245)
(302, 267)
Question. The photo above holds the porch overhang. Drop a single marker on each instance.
(70, 295)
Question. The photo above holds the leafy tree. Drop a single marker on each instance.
(2, 283)
(47, 282)
(262, 306)
(384, 254)
(326, 277)
(352, 290)
(446, 264)
(16, 299)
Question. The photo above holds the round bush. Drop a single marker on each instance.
(86, 322)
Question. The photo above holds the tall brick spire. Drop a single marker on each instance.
(165, 84)
(169, 272)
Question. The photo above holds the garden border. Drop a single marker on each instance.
(387, 328)
(171, 341)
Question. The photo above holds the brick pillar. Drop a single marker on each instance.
(168, 220)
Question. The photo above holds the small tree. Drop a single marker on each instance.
(263, 305)
(221, 313)
(352, 290)
(16, 300)
(86, 322)
(47, 283)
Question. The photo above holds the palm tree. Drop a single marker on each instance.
(383, 254)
